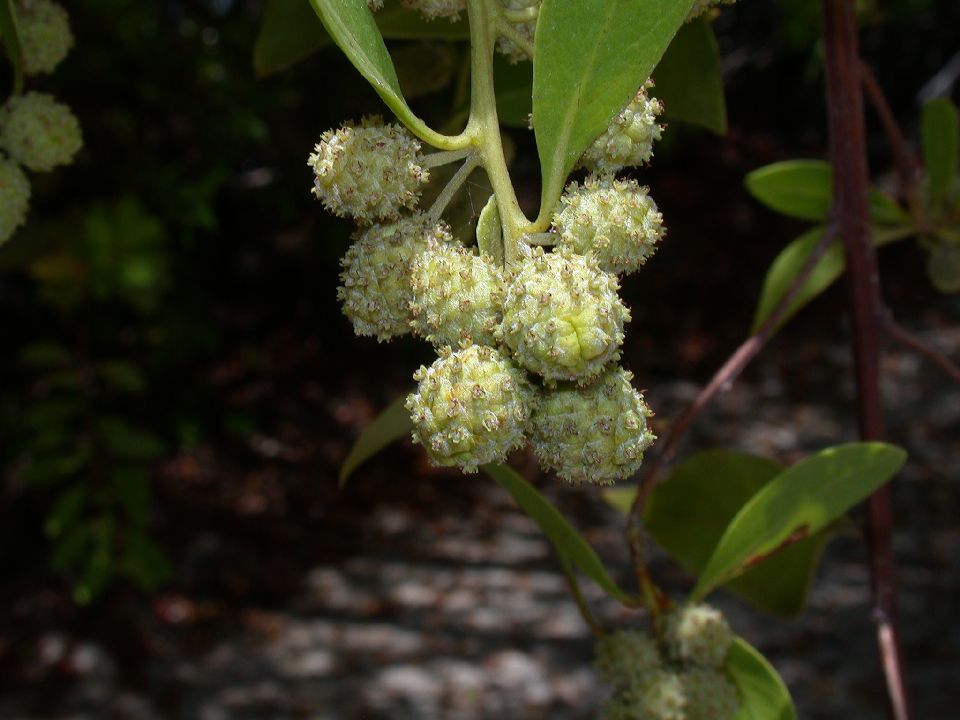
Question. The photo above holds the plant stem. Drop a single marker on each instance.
(899, 333)
(727, 373)
(445, 157)
(451, 188)
(851, 210)
(484, 125)
(588, 618)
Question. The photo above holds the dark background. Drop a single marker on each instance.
(184, 248)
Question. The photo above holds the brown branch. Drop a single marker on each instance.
(727, 373)
(849, 159)
(581, 603)
(905, 163)
(897, 332)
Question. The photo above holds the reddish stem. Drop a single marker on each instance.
(897, 332)
(851, 210)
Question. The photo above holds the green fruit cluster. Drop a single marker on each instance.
(680, 679)
(527, 351)
(628, 141)
(36, 131)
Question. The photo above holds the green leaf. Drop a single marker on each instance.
(591, 57)
(688, 79)
(122, 440)
(10, 34)
(568, 543)
(763, 694)
(131, 487)
(352, 27)
(798, 188)
(391, 424)
(804, 189)
(65, 511)
(797, 504)
(45, 355)
(941, 146)
(290, 32)
(791, 261)
(722, 482)
(123, 376)
(145, 562)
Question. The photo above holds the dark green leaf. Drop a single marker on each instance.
(763, 695)
(10, 34)
(688, 79)
(131, 486)
(100, 563)
(125, 441)
(123, 376)
(566, 540)
(591, 57)
(290, 32)
(65, 511)
(797, 504)
(145, 562)
(70, 548)
(391, 424)
(352, 27)
(941, 147)
(44, 355)
(723, 482)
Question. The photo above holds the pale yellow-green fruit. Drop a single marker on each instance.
(594, 434)
(457, 296)
(368, 171)
(710, 694)
(625, 657)
(433, 9)
(698, 635)
(562, 317)
(14, 198)
(660, 695)
(615, 220)
(375, 281)
(628, 140)
(943, 267)
(470, 408)
(39, 132)
(45, 35)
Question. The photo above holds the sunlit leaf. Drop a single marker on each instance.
(763, 694)
(391, 424)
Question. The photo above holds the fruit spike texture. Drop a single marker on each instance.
(39, 132)
(15, 194)
(44, 35)
(698, 635)
(595, 434)
(710, 694)
(432, 9)
(615, 220)
(470, 407)
(375, 290)
(368, 172)
(628, 140)
(562, 318)
(624, 657)
(457, 296)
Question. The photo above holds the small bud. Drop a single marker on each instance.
(698, 635)
(15, 194)
(616, 220)
(659, 696)
(457, 296)
(625, 657)
(505, 46)
(470, 407)
(376, 291)
(628, 141)
(710, 695)
(368, 172)
(44, 35)
(562, 317)
(433, 9)
(596, 433)
(39, 132)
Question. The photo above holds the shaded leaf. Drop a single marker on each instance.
(145, 562)
(123, 440)
(10, 34)
(568, 543)
(391, 424)
(941, 147)
(798, 503)
(722, 482)
(65, 511)
(763, 694)
(123, 376)
(591, 57)
(688, 79)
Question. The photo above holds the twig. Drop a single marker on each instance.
(903, 160)
(897, 332)
(849, 159)
(578, 598)
(727, 373)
